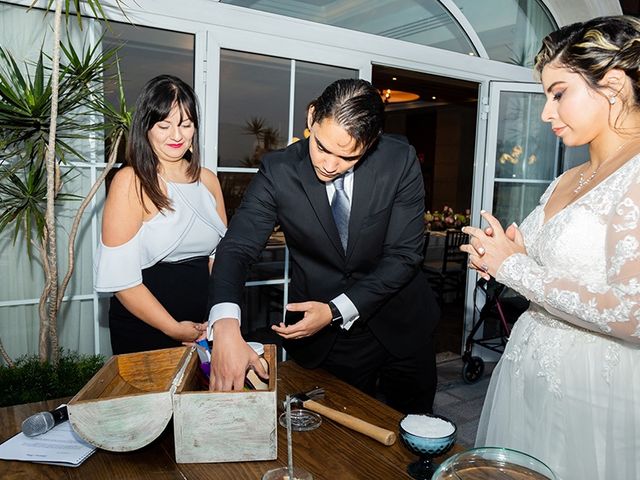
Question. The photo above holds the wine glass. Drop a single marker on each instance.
(426, 447)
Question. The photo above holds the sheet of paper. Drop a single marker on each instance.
(59, 446)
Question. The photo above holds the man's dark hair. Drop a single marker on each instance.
(353, 104)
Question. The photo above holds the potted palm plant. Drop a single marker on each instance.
(45, 109)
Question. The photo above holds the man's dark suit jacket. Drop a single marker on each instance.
(380, 271)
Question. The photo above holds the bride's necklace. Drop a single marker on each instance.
(583, 182)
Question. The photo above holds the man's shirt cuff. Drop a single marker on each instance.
(347, 309)
(222, 310)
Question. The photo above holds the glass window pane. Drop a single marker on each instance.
(254, 107)
(311, 80)
(144, 53)
(526, 147)
(510, 30)
(75, 328)
(573, 156)
(512, 202)
(233, 188)
(526, 156)
(425, 23)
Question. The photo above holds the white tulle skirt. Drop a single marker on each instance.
(568, 397)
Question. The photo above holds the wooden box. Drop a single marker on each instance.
(130, 401)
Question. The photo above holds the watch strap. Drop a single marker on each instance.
(336, 316)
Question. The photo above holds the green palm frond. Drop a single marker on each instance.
(117, 118)
(23, 197)
(25, 104)
(25, 118)
(75, 6)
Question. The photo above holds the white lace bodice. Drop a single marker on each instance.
(583, 265)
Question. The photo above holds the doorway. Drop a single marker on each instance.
(438, 115)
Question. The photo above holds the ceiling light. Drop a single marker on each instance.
(397, 96)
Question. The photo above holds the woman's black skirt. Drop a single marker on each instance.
(180, 287)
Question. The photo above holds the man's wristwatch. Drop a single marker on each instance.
(336, 316)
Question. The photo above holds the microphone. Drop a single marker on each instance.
(44, 421)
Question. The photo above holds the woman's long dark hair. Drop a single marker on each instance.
(154, 104)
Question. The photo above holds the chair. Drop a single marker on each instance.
(447, 275)
(425, 247)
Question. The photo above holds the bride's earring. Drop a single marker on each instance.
(612, 100)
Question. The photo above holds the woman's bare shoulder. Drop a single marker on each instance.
(210, 180)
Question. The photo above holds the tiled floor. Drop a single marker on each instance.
(458, 401)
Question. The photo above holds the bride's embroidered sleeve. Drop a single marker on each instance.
(612, 307)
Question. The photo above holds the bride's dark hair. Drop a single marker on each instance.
(592, 48)
(158, 97)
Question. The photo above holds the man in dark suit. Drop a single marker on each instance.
(350, 202)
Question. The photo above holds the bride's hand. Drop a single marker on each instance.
(489, 248)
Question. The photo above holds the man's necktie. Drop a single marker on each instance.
(340, 208)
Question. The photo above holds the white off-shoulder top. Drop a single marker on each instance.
(192, 229)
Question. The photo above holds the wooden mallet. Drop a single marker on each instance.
(305, 400)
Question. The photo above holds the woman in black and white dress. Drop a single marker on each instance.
(163, 219)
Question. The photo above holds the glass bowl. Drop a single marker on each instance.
(426, 448)
(487, 463)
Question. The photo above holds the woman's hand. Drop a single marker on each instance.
(188, 331)
(489, 248)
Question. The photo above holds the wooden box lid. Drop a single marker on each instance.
(128, 403)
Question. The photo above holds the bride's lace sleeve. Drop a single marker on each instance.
(612, 307)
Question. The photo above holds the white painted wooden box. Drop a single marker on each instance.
(130, 401)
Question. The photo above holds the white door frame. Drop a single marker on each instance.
(483, 184)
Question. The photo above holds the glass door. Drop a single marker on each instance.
(522, 153)
(520, 158)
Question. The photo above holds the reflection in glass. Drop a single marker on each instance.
(424, 23)
(510, 30)
(144, 53)
(254, 107)
(233, 188)
(526, 156)
(512, 202)
(311, 80)
(573, 156)
(526, 147)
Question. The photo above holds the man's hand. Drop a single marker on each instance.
(317, 315)
(231, 357)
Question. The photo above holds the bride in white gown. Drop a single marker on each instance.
(567, 388)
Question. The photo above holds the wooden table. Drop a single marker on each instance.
(329, 452)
